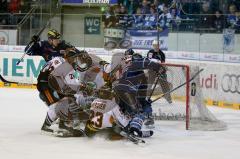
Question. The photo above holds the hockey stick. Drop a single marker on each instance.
(31, 43)
(193, 77)
(154, 87)
(11, 82)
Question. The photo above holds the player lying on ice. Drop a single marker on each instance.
(105, 113)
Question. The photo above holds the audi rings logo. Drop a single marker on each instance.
(231, 83)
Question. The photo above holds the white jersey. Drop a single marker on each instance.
(53, 64)
(104, 113)
(66, 79)
(72, 77)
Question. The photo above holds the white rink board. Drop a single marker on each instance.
(215, 79)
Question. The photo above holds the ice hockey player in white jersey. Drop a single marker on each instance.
(106, 114)
(65, 78)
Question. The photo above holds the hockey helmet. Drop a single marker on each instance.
(136, 56)
(80, 60)
(53, 34)
(129, 52)
(155, 42)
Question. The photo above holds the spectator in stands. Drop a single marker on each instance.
(14, 6)
(25, 6)
(205, 20)
(175, 15)
(109, 18)
(159, 6)
(218, 21)
(123, 18)
(3, 12)
(131, 5)
(232, 18)
(117, 10)
(238, 21)
(145, 9)
(156, 3)
(235, 2)
(150, 20)
(137, 19)
(134, 4)
(3, 6)
(3, 21)
(164, 19)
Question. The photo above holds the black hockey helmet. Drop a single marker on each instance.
(129, 52)
(136, 56)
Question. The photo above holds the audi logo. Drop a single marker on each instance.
(231, 83)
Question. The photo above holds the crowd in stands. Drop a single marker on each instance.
(12, 11)
(181, 15)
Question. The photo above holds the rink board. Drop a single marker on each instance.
(220, 82)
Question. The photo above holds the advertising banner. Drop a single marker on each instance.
(142, 39)
(26, 72)
(136, 39)
(219, 82)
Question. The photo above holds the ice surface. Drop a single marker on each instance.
(22, 114)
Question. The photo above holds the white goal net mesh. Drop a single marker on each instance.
(173, 106)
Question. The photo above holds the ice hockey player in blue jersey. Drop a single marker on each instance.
(48, 49)
(131, 88)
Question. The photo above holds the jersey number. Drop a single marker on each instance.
(98, 116)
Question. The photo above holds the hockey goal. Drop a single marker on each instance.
(185, 103)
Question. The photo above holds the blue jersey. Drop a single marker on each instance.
(132, 86)
(47, 51)
(135, 73)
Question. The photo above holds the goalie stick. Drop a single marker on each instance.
(172, 90)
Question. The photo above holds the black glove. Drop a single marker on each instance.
(35, 38)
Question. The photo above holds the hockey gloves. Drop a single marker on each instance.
(35, 38)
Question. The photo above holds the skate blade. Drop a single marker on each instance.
(149, 126)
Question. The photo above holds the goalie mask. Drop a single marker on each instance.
(80, 61)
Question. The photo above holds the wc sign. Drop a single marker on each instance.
(92, 25)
